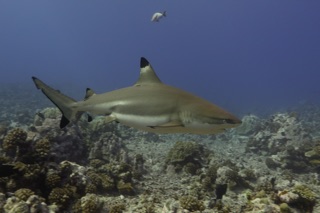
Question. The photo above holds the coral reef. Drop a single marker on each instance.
(300, 197)
(307, 197)
(90, 203)
(42, 147)
(191, 203)
(61, 142)
(23, 193)
(265, 165)
(3, 130)
(61, 196)
(187, 156)
(14, 141)
(313, 154)
(275, 134)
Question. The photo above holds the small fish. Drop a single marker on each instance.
(157, 16)
(148, 105)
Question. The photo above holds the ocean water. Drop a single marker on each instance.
(260, 60)
(244, 56)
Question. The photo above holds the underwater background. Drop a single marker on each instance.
(259, 60)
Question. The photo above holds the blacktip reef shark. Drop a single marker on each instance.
(148, 105)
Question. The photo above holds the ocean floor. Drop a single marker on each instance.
(268, 164)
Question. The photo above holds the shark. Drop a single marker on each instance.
(149, 105)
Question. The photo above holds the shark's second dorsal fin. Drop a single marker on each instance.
(147, 74)
(89, 93)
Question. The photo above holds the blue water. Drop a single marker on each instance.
(246, 56)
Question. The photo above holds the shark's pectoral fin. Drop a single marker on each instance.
(110, 118)
(168, 125)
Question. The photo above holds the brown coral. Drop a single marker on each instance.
(96, 163)
(61, 196)
(23, 193)
(87, 204)
(52, 180)
(191, 203)
(13, 139)
(187, 155)
(125, 188)
(94, 178)
(91, 188)
(30, 171)
(117, 208)
(42, 147)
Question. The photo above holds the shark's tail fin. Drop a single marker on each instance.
(164, 13)
(63, 102)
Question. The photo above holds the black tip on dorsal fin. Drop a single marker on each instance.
(147, 74)
(144, 62)
(89, 93)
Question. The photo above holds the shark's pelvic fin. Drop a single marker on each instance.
(147, 74)
(63, 102)
(89, 118)
(110, 118)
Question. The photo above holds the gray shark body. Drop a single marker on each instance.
(148, 105)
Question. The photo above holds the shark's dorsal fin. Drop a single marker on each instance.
(89, 93)
(147, 74)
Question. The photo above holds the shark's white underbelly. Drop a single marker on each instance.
(141, 121)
